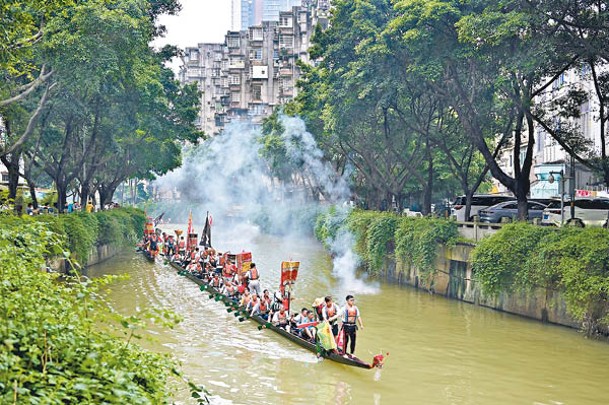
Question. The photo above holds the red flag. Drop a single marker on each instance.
(189, 230)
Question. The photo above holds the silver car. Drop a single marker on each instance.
(479, 201)
(509, 210)
(591, 212)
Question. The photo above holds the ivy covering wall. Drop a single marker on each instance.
(520, 257)
(573, 260)
(381, 235)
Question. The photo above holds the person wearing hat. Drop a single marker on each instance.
(350, 317)
(318, 307)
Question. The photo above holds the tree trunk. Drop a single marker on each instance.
(105, 194)
(426, 209)
(32, 187)
(62, 191)
(84, 195)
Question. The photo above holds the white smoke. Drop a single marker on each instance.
(345, 261)
(226, 176)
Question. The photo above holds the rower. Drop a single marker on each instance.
(309, 332)
(330, 314)
(298, 319)
(262, 307)
(280, 319)
(245, 299)
(216, 281)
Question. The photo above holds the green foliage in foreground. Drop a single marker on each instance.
(573, 260)
(382, 235)
(51, 348)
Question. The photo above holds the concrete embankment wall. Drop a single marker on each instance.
(97, 255)
(453, 279)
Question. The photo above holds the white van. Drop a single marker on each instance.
(479, 201)
(591, 211)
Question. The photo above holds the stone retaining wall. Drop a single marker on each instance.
(97, 255)
(453, 279)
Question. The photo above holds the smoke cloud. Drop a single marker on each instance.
(227, 176)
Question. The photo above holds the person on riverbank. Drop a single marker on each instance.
(253, 279)
(350, 318)
(330, 313)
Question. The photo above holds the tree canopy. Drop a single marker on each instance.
(90, 103)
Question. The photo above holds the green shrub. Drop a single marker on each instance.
(572, 260)
(51, 350)
(418, 239)
(499, 262)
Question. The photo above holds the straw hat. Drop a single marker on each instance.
(318, 302)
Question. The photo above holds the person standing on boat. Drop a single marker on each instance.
(350, 317)
(253, 279)
(330, 313)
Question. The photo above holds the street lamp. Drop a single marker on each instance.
(562, 192)
(563, 179)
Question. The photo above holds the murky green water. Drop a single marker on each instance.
(441, 351)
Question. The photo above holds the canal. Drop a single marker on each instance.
(440, 351)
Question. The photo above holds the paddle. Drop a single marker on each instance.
(265, 326)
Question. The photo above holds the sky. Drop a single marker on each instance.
(199, 21)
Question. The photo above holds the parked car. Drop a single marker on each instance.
(590, 211)
(479, 201)
(509, 210)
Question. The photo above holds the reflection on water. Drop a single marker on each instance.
(440, 351)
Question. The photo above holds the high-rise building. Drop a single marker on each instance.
(247, 13)
(235, 15)
(253, 71)
(272, 8)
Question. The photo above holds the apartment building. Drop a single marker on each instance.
(549, 158)
(254, 70)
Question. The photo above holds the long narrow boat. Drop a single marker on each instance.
(347, 359)
(146, 254)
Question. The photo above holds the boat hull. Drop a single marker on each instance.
(346, 359)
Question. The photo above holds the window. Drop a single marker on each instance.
(257, 92)
(256, 33)
(235, 80)
(536, 206)
(256, 54)
(233, 42)
(286, 41)
(285, 21)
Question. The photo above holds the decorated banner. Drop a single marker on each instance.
(149, 227)
(242, 260)
(325, 336)
(289, 273)
(192, 240)
(189, 232)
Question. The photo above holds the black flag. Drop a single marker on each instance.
(206, 236)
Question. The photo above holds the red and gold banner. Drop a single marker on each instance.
(289, 272)
(242, 260)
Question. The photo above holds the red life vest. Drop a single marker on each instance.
(264, 306)
(254, 274)
(331, 311)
